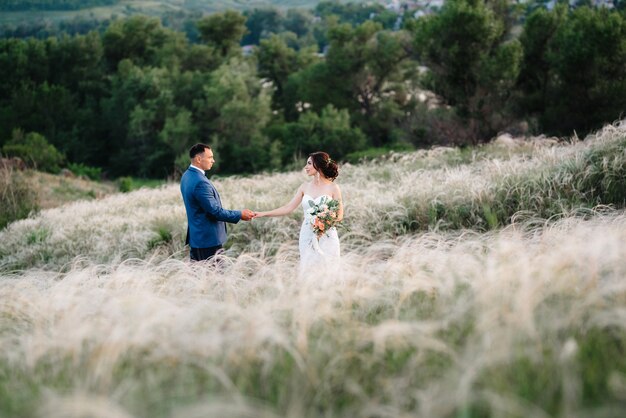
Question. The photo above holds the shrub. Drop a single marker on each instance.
(93, 173)
(125, 184)
(373, 153)
(35, 150)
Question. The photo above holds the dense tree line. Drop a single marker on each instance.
(131, 98)
(41, 28)
(80, 24)
(25, 5)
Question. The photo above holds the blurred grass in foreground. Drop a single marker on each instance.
(508, 301)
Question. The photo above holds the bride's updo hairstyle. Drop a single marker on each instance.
(325, 165)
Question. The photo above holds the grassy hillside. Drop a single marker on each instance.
(149, 7)
(472, 284)
(57, 190)
(25, 192)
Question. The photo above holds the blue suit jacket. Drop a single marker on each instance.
(205, 215)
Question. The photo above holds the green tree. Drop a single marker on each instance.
(298, 21)
(572, 75)
(277, 62)
(329, 131)
(142, 40)
(22, 62)
(48, 109)
(151, 117)
(201, 58)
(223, 31)
(587, 81)
(237, 108)
(48, 87)
(471, 64)
(361, 73)
(77, 63)
(179, 132)
(141, 99)
(534, 79)
(388, 19)
(260, 23)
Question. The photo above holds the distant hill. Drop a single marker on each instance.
(32, 5)
(106, 8)
(17, 12)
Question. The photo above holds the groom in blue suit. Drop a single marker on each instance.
(206, 232)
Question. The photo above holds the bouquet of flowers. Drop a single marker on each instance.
(324, 215)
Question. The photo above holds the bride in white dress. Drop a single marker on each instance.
(315, 251)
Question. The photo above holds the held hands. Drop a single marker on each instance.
(247, 215)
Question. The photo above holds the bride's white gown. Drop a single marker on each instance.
(312, 251)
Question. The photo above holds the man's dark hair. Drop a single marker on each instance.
(197, 149)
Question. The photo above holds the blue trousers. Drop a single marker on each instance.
(200, 254)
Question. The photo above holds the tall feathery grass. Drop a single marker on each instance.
(468, 287)
(521, 322)
(17, 200)
(439, 189)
